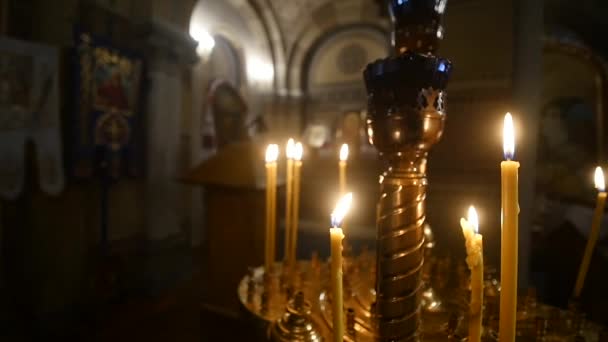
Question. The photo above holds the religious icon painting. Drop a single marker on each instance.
(229, 112)
(29, 112)
(107, 113)
(572, 121)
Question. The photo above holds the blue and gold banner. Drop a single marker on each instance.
(107, 109)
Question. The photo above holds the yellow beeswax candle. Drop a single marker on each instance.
(289, 150)
(297, 168)
(272, 152)
(600, 185)
(337, 236)
(509, 236)
(474, 247)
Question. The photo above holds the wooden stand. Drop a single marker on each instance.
(234, 200)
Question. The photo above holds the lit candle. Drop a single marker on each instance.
(336, 265)
(600, 185)
(297, 168)
(272, 153)
(509, 235)
(273, 207)
(289, 151)
(474, 246)
(343, 162)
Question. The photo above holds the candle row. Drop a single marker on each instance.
(508, 259)
(294, 153)
(470, 228)
(509, 245)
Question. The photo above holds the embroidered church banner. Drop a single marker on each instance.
(29, 111)
(107, 113)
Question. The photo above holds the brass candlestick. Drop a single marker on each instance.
(297, 324)
(406, 115)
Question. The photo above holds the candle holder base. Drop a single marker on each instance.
(450, 323)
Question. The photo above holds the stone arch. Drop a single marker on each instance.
(252, 28)
(225, 62)
(338, 14)
(331, 74)
(358, 30)
(317, 21)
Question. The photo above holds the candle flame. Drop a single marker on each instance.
(341, 209)
(298, 151)
(508, 137)
(290, 148)
(344, 152)
(600, 184)
(473, 219)
(272, 153)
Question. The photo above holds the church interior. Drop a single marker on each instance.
(169, 170)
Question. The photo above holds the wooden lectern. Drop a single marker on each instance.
(234, 200)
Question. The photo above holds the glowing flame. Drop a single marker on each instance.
(272, 153)
(341, 209)
(344, 152)
(473, 218)
(298, 151)
(508, 137)
(290, 148)
(600, 184)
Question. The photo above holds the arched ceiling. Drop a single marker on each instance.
(295, 17)
(587, 18)
(240, 24)
(304, 23)
(292, 14)
(340, 59)
(284, 31)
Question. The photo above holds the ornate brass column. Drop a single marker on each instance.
(406, 116)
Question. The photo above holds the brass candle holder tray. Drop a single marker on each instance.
(295, 305)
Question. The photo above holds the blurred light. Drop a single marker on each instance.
(473, 218)
(441, 67)
(600, 184)
(344, 152)
(290, 148)
(341, 209)
(272, 153)
(204, 39)
(440, 6)
(440, 32)
(258, 70)
(298, 151)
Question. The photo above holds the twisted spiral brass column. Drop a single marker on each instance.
(400, 252)
(406, 117)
